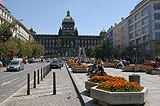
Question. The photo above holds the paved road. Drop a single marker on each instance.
(11, 82)
(43, 94)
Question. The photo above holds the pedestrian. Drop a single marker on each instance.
(155, 66)
(101, 69)
(128, 62)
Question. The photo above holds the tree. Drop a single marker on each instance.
(28, 48)
(5, 31)
(21, 48)
(91, 52)
(9, 49)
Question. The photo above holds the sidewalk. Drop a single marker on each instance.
(152, 82)
(42, 95)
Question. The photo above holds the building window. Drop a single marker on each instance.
(132, 43)
(157, 25)
(138, 41)
(46, 40)
(137, 16)
(138, 24)
(157, 16)
(131, 35)
(131, 20)
(145, 29)
(157, 6)
(145, 20)
(138, 32)
(131, 28)
(145, 11)
(157, 35)
(145, 38)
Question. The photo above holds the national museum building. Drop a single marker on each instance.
(68, 41)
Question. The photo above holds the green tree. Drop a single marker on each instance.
(91, 52)
(28, 48)
(36, 49)
(9, 49)
(5, 31)
(21, 48)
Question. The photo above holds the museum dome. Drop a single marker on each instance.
(1, 3)
(68, 18)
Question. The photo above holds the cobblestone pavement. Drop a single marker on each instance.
(42, 95)
(152, 82)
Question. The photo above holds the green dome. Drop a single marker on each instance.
(68, 18)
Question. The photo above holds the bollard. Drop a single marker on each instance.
(54, 84)
(60, 65)
(28, 85)
(43, 72)
(38, 77)
(134, 78)
(34, 85)
(41, 75)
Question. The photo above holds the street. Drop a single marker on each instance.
(11, 82)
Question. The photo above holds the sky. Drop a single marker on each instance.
(90, 16)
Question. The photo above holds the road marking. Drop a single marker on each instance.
(8, 82)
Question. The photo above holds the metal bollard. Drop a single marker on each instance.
(134, 78)
(41, 74)
(54, 84)
(38, 77)
(34, 85)
(28, 85)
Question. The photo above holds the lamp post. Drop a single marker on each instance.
(135, 49)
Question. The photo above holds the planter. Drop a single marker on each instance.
(128, 69)
(144, 69)
(109, 65)
(119, 98)
(89, 85)
(153, 72)
(79, 70)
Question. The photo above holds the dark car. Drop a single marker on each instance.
(55, 64)
(31, 61)
(6, 62)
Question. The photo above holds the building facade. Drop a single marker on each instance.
(143, 29)
(20, 31)
(119, 39)
(68, 41)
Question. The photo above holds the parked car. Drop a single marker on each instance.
(24, 61)
(15, 65)
(6, 62)
(48, 60)
(150, 63)
(55, 64)
(31, 61)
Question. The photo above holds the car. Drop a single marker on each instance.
(48, 60)
(6, 62)
(31, 61)
(150, 63)
(55, 64)
(15, 65)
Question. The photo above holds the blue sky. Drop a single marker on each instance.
(90, 16)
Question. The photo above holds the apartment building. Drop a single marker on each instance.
(143, 29)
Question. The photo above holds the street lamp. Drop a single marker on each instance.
(135, 49)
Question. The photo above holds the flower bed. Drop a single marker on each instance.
(80, 69)
(145, 68)
(106, 64)
(117, 91)
(128, 68)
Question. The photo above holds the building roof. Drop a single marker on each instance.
(68, 18)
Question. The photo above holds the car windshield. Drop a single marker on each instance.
(152, 61)
(14, 63)
(56, 61)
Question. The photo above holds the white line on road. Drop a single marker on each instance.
(8, 82)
